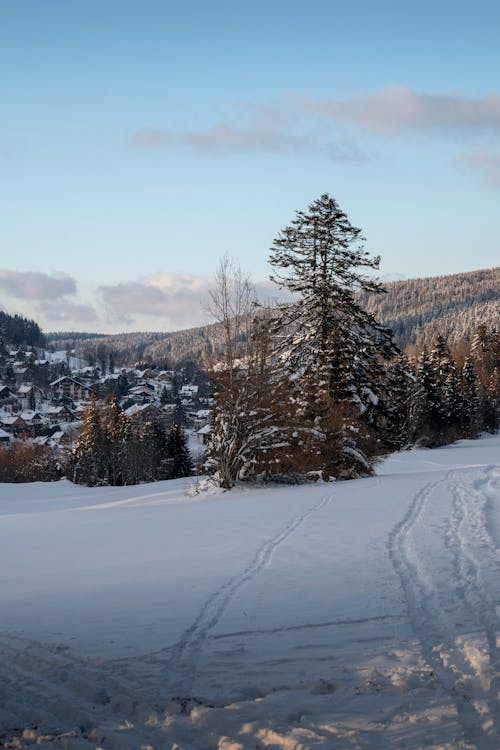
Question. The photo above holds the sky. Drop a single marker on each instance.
(142, 141)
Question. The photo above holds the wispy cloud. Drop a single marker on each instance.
(176, 300)
(67, 312)
(399, 110)
(332, 127)
(485, 164)
(32, 285)
(269, 131)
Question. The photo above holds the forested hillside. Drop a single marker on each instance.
(454, 306)
(416, 309)
(16, 331)
(169, 349)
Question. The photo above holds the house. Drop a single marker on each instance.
(203, 434)
(142, 393)
(58, 414)
(33, 420)
(67, 387)
(13, 424)
(145, 413)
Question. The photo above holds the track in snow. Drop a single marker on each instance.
(448, 564)
(180, 674)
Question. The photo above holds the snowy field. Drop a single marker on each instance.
(363, 614)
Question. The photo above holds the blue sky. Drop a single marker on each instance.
(141, 141)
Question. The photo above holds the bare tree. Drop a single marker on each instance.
(232, 301)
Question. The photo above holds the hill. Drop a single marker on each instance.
(416, 309)
(18, 331)
(453, 305)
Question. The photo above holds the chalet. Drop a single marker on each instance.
(59, 414)
(142, 393)
(13, 424)
(33, 420)
(67, 387)
(145, 412)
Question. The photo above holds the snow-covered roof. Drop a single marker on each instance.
(10, 420)
(26, 388)
(30, 415)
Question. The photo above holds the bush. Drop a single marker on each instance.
(27, 462)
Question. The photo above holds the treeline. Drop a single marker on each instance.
(441, 395)
(113, 449)
(172, 350)
(18, 331)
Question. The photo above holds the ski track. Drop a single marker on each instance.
(456, 618)
(180, 674)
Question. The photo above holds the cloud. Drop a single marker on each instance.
(485, 164)
(177, 300)
(308, 125)
(152, 138)
(397, 110)
(287, 134)
(32, 285)
(64, 311)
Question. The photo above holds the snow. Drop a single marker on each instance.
(360, 614)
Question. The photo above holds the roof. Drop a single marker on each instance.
(206, 430)
(10, 420)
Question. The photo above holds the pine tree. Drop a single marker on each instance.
(86, 460)
(328, 343)
(114, 426)
(179, 458)
(470, 402)
(156, 459)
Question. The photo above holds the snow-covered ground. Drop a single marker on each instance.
(363, 614)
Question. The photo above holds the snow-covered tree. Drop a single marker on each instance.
(86, 461)
(470, 413)
(331, 347)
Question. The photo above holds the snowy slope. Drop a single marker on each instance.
(354, 615)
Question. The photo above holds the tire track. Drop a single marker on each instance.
(429, 589)
(181, 670)
(476, 556)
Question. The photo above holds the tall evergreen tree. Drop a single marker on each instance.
(470, 413)
(179, 458)
(330, 345)
(86, 461)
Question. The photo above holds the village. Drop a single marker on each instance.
(44, 394)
